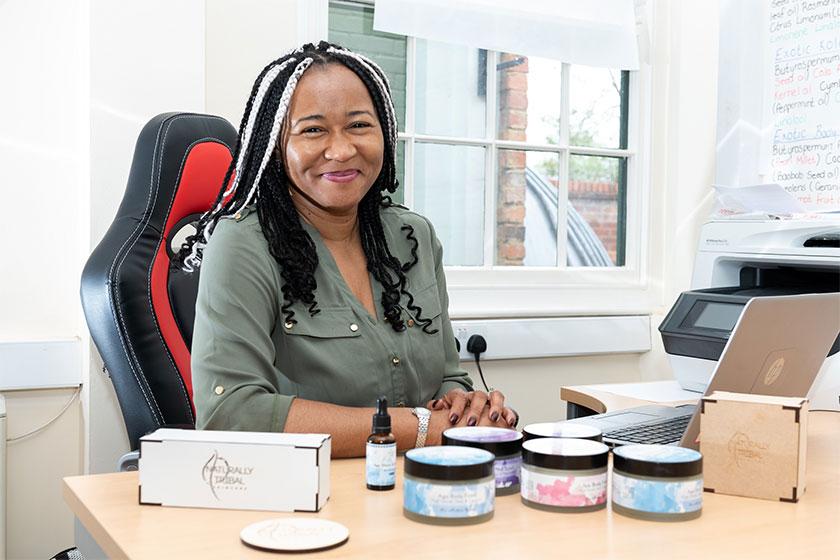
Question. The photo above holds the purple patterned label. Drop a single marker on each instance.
(507, 471)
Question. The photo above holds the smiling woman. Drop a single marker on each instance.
(343, 147)
(317, 293)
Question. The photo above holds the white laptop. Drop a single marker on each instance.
(776, 348)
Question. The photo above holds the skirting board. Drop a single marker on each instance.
(560, 336)
(41, 364)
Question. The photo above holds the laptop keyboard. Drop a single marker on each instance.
(664, 431)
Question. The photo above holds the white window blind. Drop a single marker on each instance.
(591, 32)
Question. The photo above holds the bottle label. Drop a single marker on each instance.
(431, 499)
(655, 496)
(381, 464)
(507, 471)
(564, 490)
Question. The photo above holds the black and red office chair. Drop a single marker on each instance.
(140, 309)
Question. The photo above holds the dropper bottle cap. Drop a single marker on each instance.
(381, 418)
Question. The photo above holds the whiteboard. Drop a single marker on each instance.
(779, 98)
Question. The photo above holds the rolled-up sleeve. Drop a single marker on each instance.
(233, 355)
(454, 377)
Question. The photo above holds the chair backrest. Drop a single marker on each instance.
(140, 309)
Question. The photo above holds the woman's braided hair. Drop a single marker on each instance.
(256, 175)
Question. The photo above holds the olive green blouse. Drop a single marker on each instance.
(248, 364)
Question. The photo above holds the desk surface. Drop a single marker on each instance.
(730, 527)
(617, 396)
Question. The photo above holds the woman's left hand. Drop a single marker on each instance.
(476, 408)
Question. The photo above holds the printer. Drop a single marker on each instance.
(741, 259)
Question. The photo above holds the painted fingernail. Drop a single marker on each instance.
(453, 418)
(494, 416)
(471, 421)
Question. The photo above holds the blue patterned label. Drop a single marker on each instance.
(381, 464)
(653, 496)
(449, 500)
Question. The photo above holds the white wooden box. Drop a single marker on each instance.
(235, 470)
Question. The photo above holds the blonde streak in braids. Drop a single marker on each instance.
(384, 88)
(390, 113)
(193, 260)
(279, 116)
(369, 61)
(378, 74)
(390, 110)
(385, 92)
(252, 118)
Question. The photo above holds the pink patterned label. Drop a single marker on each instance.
(564, 491)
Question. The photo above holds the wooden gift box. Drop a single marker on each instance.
(754, 445)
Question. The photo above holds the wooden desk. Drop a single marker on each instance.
(730, 527)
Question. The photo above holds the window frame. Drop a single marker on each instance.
(492, 290)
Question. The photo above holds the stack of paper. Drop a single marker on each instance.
(760, 202)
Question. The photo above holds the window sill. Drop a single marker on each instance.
(494, 302)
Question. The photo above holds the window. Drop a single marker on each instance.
(522, 163)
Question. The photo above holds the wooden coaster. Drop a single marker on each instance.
(295, 534)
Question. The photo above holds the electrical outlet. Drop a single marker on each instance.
(462, 334)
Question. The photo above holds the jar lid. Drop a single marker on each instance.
(450, 462)
(498, 441)
(565, 453)
(657, 460)
(561, 430)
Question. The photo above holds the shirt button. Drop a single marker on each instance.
(288, 325)
(410, 322)
(354, 327)
(395, 360)
(219, 390)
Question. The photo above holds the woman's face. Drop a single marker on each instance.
(333, 145)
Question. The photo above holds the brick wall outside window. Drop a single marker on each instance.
(598, 204)
(510, 205)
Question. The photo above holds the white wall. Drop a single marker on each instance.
(44, 158)
(43, 154)
(85, 76)
(242, 38)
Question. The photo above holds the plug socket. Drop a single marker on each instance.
(476, 344)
